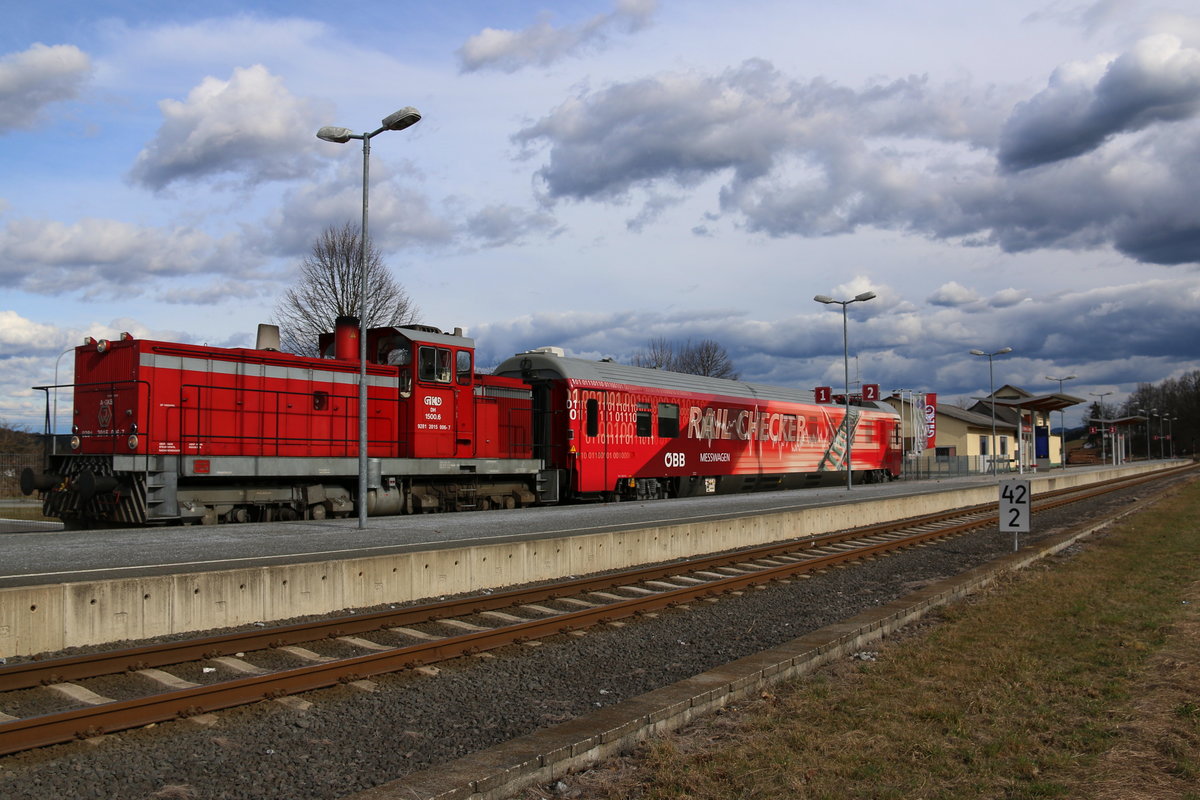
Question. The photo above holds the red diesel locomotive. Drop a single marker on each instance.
(177, 433)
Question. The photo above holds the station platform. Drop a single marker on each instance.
(66, 588)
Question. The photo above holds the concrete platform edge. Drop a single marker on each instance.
(53, 617)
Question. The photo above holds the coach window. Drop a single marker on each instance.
(668, 420)
(464, 367)
(434, 364)
(645, 422)
(593, 417)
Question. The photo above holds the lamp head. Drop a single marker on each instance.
(1003, 350)
(865, 296)
(977, 353)
(821, 298)
(332, 133)
(404, 118)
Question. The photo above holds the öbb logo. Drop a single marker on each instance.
(433, 401)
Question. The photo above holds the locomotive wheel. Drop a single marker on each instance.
(317, 511)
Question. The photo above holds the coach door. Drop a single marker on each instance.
(597, 428)
(435, 403)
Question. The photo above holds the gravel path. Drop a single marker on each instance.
(350, 740)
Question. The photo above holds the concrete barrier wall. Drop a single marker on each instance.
(39, 619)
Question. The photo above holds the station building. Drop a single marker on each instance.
(963, 440)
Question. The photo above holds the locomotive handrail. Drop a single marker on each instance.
(197, 435)
(143, 426)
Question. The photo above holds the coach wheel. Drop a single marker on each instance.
(317, 511)
(510, 502)
(485, 504)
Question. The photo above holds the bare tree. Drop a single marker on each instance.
(707, 357)
(659, 354)
(328, 288)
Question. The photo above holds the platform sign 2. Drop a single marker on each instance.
(1015, 503)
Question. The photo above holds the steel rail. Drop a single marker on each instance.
(47, 729)
(31, 732)
(34, 673)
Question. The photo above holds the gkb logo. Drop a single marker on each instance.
(433, 401)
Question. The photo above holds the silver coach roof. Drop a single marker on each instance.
(547, 363)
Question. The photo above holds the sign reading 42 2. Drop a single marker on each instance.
(1015, 505)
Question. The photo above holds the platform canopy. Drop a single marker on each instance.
(1123, 421)
(1042, 402)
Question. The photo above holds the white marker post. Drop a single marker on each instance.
(1015, 501)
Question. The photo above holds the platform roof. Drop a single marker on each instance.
(1041, 402)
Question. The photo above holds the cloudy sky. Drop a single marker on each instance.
(597, 173)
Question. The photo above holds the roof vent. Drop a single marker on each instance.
(549, 351)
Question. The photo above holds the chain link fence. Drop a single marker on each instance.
(19, 513)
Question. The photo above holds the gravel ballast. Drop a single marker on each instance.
(350, 740)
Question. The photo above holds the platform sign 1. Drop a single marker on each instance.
(1015, 502)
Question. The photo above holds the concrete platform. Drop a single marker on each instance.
(70, 588)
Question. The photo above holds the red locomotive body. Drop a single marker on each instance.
(168, 433)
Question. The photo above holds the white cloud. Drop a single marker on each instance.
(21, 335)
(953, 294)
(249, 125)
(1086, 104)
(106, 256)
(32, 79)
(542, 44)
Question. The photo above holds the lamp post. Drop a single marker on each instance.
(1103, 427)
(1147, 413)
(1062, 434)
(397, 121)
(1162, 415)
(860, 298)
(1170, 437)
(54, 421)
(992, 398)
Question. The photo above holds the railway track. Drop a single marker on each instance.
(48, 702)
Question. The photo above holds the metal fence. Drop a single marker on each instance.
(17, 512)
(928, 467)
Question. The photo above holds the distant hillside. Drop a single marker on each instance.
(15, 440)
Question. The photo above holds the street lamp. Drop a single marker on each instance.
(1162, 441)
(991, 400)
(54, 421)
(1171, 438)
(1062, 434)
(1147, 413)
(1103, 427)
(860, 298)
(397, 121)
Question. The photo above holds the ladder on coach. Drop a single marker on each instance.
(835, 455)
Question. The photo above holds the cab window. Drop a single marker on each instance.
(464, 367)
(434, 364)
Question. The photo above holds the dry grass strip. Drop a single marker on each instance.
(1076, 679)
